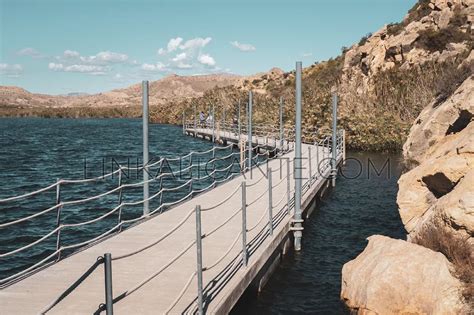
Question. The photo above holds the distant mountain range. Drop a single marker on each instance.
(170, 88)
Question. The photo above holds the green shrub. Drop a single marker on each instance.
(433, 40)
(364, 39)
(394, 29)
(418, 11)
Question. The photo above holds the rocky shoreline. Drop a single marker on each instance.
(432, 272)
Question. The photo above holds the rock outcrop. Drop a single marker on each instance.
(440, 123)
(410, 43)
(396, 277)
(438, 191)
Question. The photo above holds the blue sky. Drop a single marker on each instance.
(56, 47)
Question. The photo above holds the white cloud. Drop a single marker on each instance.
(173, 44)
(154, 67)
(207, 60)
(243, 47)
(98, 64)
(194, 43)
(29, 52)
(188, 55)
(183, 65)
(109, 56)
(180, 57)
(71, 53)
(307, 54)
(90, 69)
(55, 66)
(11, 70)
(101, 58)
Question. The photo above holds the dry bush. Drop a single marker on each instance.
(405, 92)
(72, 112)
(458, 251)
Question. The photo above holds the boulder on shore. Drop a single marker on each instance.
(397, 277)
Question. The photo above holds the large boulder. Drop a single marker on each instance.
(397, 277)
(438, 123)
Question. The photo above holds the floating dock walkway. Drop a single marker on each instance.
(154, 265)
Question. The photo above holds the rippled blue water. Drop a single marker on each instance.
(361, 205)
(35, 152)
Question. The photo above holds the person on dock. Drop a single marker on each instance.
(209, 120)
(202, 119)
(235, 123)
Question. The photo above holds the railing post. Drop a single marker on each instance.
(199, 260)
(240, 125)
(244, 224)
(109, 304)
(146, 191)
(195, 120)
(317, 159)
(310, 168)
(184, 123)
(288, 186)
(334, 139)
(249, 127)
(270, 201)
(281, 123)
(120, 197)
(297, 220)
(344, 146)
(223, 117)
(213, 124)
(58, 217)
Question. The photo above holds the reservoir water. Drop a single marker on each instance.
(36, 152)
(363, 203)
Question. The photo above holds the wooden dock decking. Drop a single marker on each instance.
(223, 283)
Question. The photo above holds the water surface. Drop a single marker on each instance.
(362, 204)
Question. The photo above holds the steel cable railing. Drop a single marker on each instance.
(121, 205)
(200, 236)
(60, 206)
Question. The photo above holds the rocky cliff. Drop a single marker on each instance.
(433, 271)
(436, 205)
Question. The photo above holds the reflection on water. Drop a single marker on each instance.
(362, 204)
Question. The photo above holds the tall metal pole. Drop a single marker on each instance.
(270, 201)
(288, 183)
(223, 117)
(146, 191)
(195, 120)
(199, 259)
(244, 224)
(334, 138)
(109, 304)
(249, 127)
(213, 124)
(297, 219)
(281, 123)
(184, 123)
(240, 125)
